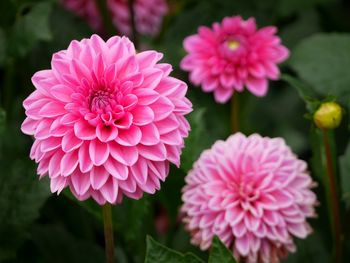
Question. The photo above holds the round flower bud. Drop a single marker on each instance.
(328, 116)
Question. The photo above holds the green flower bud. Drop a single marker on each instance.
(328, 116)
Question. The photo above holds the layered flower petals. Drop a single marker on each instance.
(225, 58)
(103, 121)
(253, 193)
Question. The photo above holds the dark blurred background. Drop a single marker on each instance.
(36, 226)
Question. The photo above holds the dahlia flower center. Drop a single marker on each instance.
(233, 44)
(247, 192)
(102, 101)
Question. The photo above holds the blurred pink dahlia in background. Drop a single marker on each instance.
(87, 10)
(253, 193)
(106, 120)
(148, 14)
(233, 55)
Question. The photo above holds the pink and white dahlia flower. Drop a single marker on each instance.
(148, 14)
(233, 55)
(106, 120)
(253, 193)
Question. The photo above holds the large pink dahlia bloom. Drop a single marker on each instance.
(148, 14)
(225, 58)
(253, 193)
(106, 121)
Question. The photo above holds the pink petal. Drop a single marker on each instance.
(98, 177)
(84, 131)
(85, 163)
(110, 190)
(130, 137)
(99, 152)
(124, 154)
(116, 169)
(70, 142)
(155, 152)
(139, 171)
(142, 115)
(69, 162)
(80, 182)
(150, 134)
(258, 87)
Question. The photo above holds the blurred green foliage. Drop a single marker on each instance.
(36, 226)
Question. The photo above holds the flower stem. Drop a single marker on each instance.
(234, 113)
(108, 230)
(106, 17)
(334, 198)
(134, 35)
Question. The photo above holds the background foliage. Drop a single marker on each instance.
(36, 226)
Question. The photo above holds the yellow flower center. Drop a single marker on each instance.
(233, 44)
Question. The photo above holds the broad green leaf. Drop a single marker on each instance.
(306, 93)
(156, 252)
(197, 140)
(31, 27)
(345, 175)
(220, 253)
(323, 61)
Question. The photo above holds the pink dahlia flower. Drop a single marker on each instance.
(253, 193)
(106, 121)
(233, 55)
(148, 14)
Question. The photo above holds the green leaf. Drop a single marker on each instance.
(220, 253)
(197, 139)
(345, 175)
(156, 252)
(306, 93)
(30, 28)
(323, 61)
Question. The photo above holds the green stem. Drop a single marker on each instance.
(108, 230)
(234, 113)
(106, 17)
(134, 35)
(336, 224)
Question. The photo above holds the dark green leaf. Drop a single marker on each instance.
(30, 28)
(158, 253)
(305, 91)
(323, 61)
(220, 253)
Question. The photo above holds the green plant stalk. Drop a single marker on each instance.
(106, 17)
(336, 223)
(108, 231)
(235, 113)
